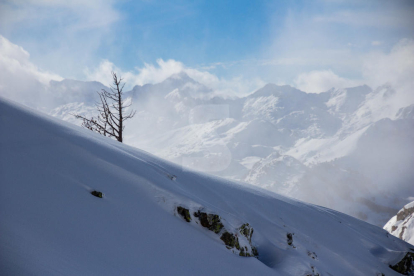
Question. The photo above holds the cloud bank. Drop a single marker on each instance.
(20, 79)
(62, 36)
(150, 73)
(321, 81)
(395, 68)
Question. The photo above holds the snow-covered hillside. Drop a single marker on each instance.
(347, 149)
(402, 224)
(51, 224)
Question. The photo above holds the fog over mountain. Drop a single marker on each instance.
(347, 149)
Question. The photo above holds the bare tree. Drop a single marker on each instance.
(111, 109)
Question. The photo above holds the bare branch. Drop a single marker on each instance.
(111, 111)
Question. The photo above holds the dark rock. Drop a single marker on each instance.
(406, 265)
(210, 221)
(314, 272)
(230, 240)
(312, 255)
(97, 194)
(242, 253)
(247, 231)
(203, 217)
(289, 239)
(254, 251)
(185, 213)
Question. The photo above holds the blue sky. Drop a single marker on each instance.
(249, 42)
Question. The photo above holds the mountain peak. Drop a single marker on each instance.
(274, 89)
(181, 76)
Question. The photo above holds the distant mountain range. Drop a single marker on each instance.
(347, 149)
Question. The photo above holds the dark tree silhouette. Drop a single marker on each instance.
(111, 109)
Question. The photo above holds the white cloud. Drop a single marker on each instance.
(378, 68)
(320, 81)
(336, 37)
(232, 87)
(103, 72)
(148, 74)
(151, 73)
(20, 79)
(62, 36)
(395, 68)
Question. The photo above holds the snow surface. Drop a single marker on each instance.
(50, 224)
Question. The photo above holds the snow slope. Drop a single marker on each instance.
(50, 224)
(402, 224)
(344, 147)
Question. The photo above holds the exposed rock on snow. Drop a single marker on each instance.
(405, 212)
(210, 221)
(230, 240)
(97, 194)
(289, 237)
(185, 213)
(213, 223)
(406, 265)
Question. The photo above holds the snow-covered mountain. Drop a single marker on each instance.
(402, 224)
(347, 149)
(77, 203)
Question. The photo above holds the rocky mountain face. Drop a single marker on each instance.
(347, 149)
(402, 224)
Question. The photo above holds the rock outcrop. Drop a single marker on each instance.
(406, 265)
(402, 224)
(238, 240)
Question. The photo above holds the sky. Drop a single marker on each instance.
(232, 46)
